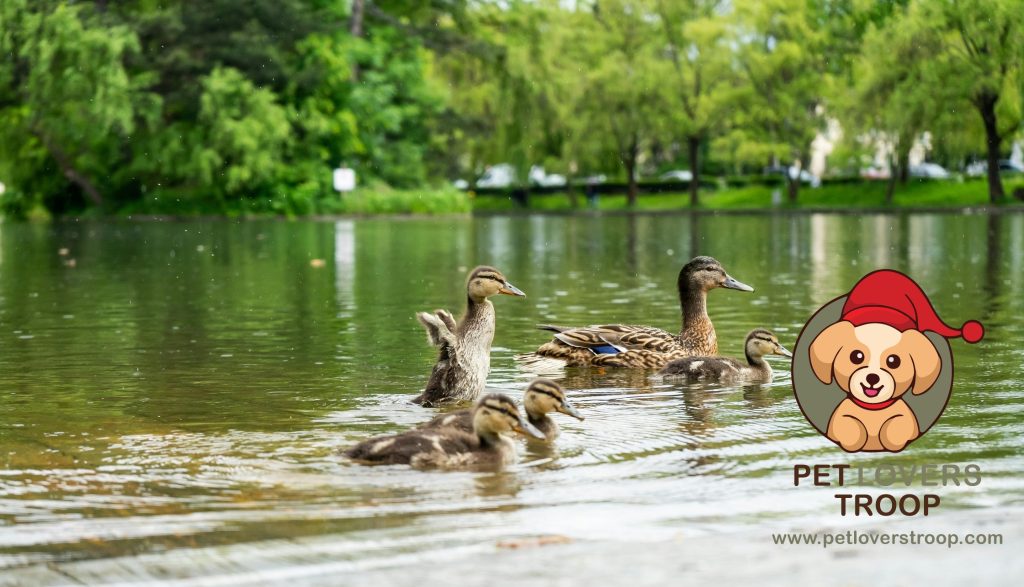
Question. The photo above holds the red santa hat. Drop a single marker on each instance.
(889, 297)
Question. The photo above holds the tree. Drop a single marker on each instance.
(67, 100)
(784, 78)
(976, 56)
(890, 102)
(623, 95)
(697, 37)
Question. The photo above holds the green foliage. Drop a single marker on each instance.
(228, 107)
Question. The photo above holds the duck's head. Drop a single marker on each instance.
(705, 274)
(761, 342)
(485, 282)
(544, 396)
(496, 413)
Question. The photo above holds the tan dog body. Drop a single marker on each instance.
(875, 364)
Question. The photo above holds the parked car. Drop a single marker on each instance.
(539, 177)
(503, 175)
(929, 170)
(875, 172)
(676, 175)
(804, 175)
(1006, 167)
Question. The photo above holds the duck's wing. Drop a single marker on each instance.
(440, 327)
(613, 339)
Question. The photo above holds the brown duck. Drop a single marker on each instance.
(464, 356)
(642, 347)
(542, 397)
(485, 445)
(755, 369)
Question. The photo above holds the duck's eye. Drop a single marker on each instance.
(856, 357)
(892, 361)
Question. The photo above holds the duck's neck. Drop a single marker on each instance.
(542, 422)
(758, 362)
(694, 304)
(479, 313)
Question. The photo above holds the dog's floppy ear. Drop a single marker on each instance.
(927, 364)
(826, 348)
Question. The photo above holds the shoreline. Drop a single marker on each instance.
(583, 212)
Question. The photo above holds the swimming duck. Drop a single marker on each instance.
(620, 345)
(759, 343)
(542, 397)
(465, 347)
(486, 445)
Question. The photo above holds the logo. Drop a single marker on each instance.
(873, 370)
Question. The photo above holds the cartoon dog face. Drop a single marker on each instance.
(875, 362)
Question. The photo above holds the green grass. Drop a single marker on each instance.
(915, 194)
(382, 200)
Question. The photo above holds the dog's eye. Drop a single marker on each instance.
(856, 357)
(892, 361)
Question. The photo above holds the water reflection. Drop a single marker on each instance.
(188, 385)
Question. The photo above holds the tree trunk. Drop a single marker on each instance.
(793, 187)
(355, 20)
(355, 28)
(630, 161)
(903, 165)
(693, 144)
(986, 104)
(890, 188)
(68, 168)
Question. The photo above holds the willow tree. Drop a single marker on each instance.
(697, 41)
(778, 48)
(977, 58)
(623, 100)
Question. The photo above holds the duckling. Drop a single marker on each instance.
(447, 447)
(542, 397)
(759, 343)
(643, 347)
(465, 347)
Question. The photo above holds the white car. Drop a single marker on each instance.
(676, 175)
(1006, 167)
(503, 175)
(929, 170)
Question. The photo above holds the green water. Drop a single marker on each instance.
(181, 391)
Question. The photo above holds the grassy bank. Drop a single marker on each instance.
(916, 194)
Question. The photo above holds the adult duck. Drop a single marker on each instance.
(642, 347)
(464, 356)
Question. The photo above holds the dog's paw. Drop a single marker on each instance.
(896, 433)
(849, 433)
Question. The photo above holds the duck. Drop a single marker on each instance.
(755, 369)
(486, 445)
(542, 397)
(642, 347)
(464, 357)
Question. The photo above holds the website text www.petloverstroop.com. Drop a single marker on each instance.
(865, 538)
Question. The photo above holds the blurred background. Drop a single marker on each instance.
(247, 106)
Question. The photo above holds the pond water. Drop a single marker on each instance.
(180, 390)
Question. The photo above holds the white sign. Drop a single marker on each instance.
(344, 179)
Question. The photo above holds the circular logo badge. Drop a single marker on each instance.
(869, 386)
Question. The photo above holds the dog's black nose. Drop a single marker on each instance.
(872, 379)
